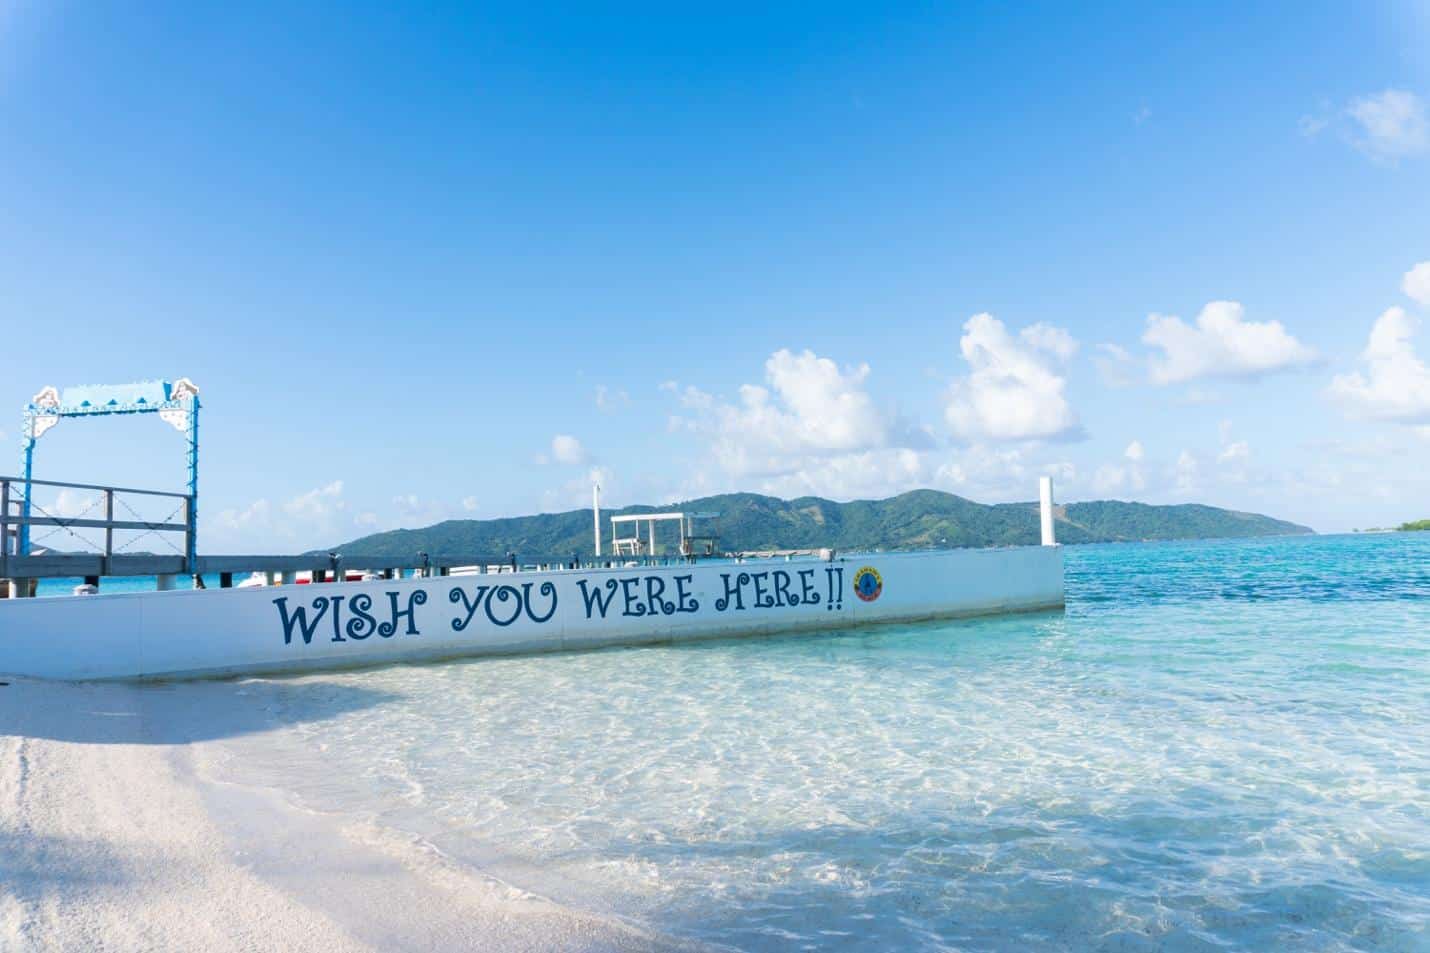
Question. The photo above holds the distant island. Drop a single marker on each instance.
(1415, 526)
(920, 519)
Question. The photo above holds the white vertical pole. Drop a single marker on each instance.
(596, 511)
(1045, 507)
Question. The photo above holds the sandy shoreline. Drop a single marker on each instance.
(111, 839)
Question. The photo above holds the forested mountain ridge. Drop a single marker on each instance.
(919, 519)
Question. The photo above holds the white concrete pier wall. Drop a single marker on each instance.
(296, 628)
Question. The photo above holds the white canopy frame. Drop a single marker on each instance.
(634, 545)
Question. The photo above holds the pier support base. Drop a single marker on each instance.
(22, 588)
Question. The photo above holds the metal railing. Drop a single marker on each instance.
(20, 514)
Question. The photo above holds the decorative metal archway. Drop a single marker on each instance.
(176, 403)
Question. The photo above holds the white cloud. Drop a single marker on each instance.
(597, 476)
(1233, 455)
(1390, 125)
(1060, 471)
(1236, 450)
(256, 514)
(320, 517)
(981, 468)
(409, 509)
(1115, 477)
(1187, 472)
(567, 449)
(1138, 474)
(1394, 383)
(609, 400)
(1014, 391)
(575, 493)
(1054, 340)
(693, 398)
(813, 428)
(808, 410)
(1220, 344)
(819, 405)
(1115, 365)
(314, 518)
(1001, 474)
(469, 503)
(317, 504)
(1416, 284)
(70, 503)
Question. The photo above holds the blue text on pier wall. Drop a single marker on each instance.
(357, 617)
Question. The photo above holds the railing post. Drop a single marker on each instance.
(190, 526)
(1045, 509)
(192, 550)
(22, 547)
(4, 529)
(108, 531)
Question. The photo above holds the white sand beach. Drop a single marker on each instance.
(110, 839)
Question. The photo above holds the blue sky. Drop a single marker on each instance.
(457, 261)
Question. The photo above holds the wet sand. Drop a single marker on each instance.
(111, 838)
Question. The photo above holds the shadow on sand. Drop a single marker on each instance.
(172, 713)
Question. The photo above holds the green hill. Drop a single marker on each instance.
(917, 520)
(1417, 525)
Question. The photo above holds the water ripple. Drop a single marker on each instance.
(1219, 745)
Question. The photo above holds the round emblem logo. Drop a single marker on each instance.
(868, 584)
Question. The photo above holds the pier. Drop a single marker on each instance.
(21, 570)
(396, 608)
(111, 510)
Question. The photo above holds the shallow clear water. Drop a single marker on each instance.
(1218, 745)
(66, 586)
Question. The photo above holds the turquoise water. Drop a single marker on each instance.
(1219, 745)
(109, 584)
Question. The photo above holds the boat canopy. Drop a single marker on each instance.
(692, 543)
